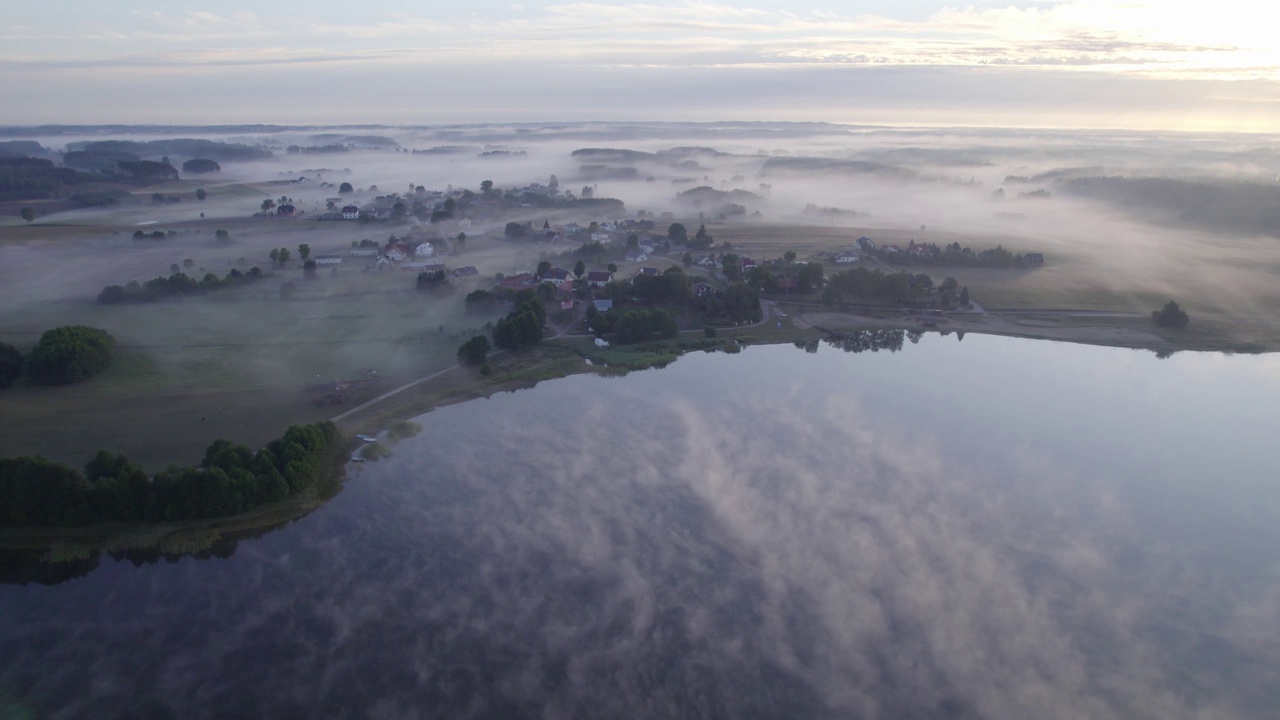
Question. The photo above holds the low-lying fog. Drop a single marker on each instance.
(1162, 211)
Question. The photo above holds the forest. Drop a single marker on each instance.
(35, 492)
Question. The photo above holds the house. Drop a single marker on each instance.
(919, 250)
(350, 212)
(571, 228)
(865, 244)
(1034, 259)
(424, 250)
(286, 209)
(603, 305)
(557, 276)
(748, 263)
(848, 256)
(395, 252)
(705, 261)
(599, 278)
(425, 267)
(466, 271)
(519, 282)
(892, 249)
(328, 260)
(600, 237)
(645, 271)
(566, 304)
(464, 224)
(364, 252)
(703, 290)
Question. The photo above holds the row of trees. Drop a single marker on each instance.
(70, 354)
(231, 479)
(808, 277)
(634, 326)
(898, 288)
(955, 255)
(177, 285)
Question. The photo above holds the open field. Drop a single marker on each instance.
(246, 363)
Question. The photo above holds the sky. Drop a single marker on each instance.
(1141, 64)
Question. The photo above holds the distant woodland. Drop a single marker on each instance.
(1236, 207)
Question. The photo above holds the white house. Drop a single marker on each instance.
(599, 278)
(364, 252)
(464, 223)
(847, 257)
(424, 250)
(328, 259)
(350, 212)
(600, 237)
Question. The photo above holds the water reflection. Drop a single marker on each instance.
(773, 534)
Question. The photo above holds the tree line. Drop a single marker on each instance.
(35, 492)
(177, 285)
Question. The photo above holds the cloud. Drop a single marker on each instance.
(1138, 36)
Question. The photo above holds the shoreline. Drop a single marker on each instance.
(553, 359)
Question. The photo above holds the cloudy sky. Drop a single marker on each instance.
(1163, 64)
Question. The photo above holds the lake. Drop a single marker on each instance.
(991, 528)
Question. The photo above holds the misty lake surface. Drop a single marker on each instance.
(992, 528)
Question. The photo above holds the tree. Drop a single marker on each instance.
(460, 243)
(275, 256)
(554, 182)
(789, 257)
(677, 233)
(543, 268)
(687, 259)
(222, 236)
(266, 204)
(309, 269)
(345, 188)
(964, 297)
(188, 263)
(473, 351)
(201, 194)
(284, 255)
(70, 354)
(732, 266)
(10, 364)
(1170, 316)
(515, 230)
(304, 251)
(486, 186)
(579, 268)
(611, 268)
(28, 214)
(701, 239)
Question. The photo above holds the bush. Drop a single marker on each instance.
(1170, 316)
(70, 354)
